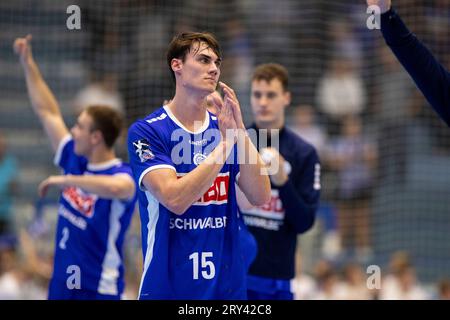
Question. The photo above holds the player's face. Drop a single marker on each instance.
(268, 100)
(201, 68)
(82, 134)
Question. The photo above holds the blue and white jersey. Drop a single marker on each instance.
(90, 230)
(195, 255)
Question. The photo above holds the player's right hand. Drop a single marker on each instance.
(384, 5)
(22, 47)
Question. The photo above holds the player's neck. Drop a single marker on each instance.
(189, 109)
(275, 125)
(101, 154)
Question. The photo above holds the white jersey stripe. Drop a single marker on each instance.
(153, 215)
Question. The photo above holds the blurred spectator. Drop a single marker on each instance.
(305, 125)
(354, 157)
(355, 286)
(238, 65)
(401, 283)
(8, 186)
(328, 285)
(340, 93)
(394, 107)
(303, 285)
(17, 281)
(444, 289)
(102, 90)
(344, 42)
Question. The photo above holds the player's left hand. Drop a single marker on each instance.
(275, 165)
(50, 181)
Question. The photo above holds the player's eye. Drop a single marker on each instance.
(257, 95)
(271, 95)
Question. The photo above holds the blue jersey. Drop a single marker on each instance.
(90, 230)
(195, 255)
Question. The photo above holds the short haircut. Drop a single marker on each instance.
(183, 43)
(108, 121)
(270, 71)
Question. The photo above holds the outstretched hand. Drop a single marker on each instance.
(384, 5)
(47, 183)
(22, 47)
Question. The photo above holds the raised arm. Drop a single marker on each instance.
(42, 99)
(428, 74)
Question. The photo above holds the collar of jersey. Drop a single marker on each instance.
(174, 119)
(103, 165)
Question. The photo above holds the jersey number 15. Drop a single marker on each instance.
(208, 269)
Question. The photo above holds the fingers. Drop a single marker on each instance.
(22, 45)
(228, 91)
(217, 101)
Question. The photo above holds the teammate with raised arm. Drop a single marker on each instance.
(428, 74)
(186, 166)
(98, 193)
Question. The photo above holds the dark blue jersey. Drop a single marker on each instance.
(428, 74)
(195, 255)
(91, 229)
(291, 210)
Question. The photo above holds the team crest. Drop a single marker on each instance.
(198, 158)
(142, 149)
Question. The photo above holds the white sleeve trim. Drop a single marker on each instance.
(236, 179)
(158, 166)
(60, 148)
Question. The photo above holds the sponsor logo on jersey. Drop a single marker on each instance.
(202, 142)
(269, 216)
(72, 218)
(217, 193)
(82, 202)
(142, 149)
(200, 223)
(161, 117)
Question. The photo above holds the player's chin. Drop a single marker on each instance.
(266, 119)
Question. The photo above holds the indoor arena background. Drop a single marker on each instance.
(343, 79)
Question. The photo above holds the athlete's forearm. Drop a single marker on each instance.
(188, 189)
(44, 104)
(42, 99)
(105, 186)
(254, 180)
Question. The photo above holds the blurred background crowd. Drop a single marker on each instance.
(385, 155)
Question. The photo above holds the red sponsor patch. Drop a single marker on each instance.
(218, 192)
(83, 203)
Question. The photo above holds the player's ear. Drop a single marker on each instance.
(97, 137)
(176, 64)
(287, 97)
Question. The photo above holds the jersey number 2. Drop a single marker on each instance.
(208, 269)
(64, 238)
